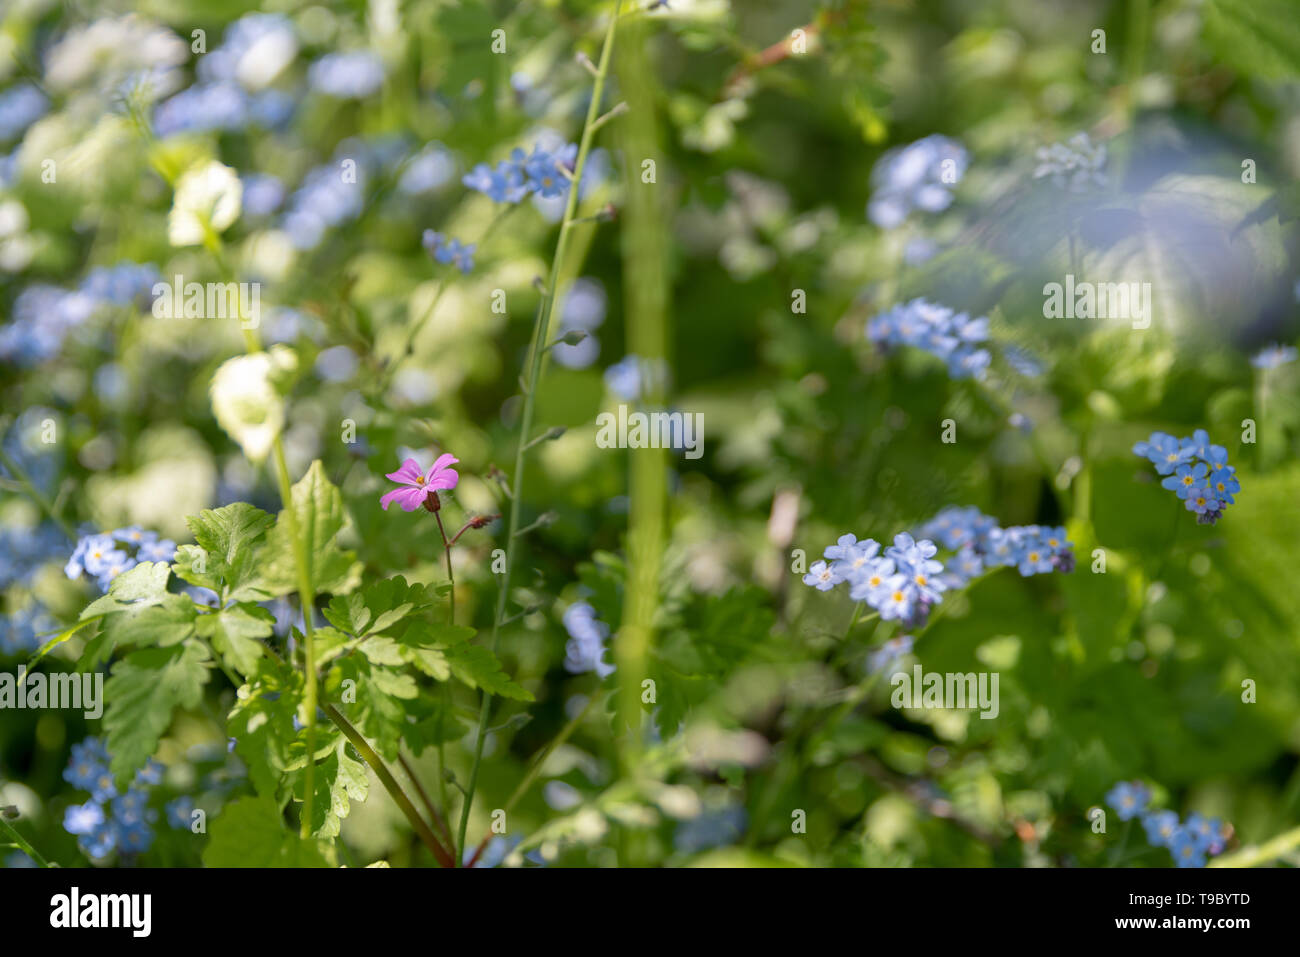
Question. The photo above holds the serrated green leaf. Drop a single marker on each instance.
(348, 613)
(477, 667)
(351, 686)
(378, 607)
(251, 832)
(261, 723)
(230, 538)
(144, 690)
(427, 634)
(336, 782)
(317, 509)
(169, 622)
(143, 584)
(382, 651)
(394, 683)
(234, 632)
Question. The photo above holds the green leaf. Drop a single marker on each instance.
(144, 690)
(251, 832)
(234, 632)
(348, 613)
(226, 556)
(429, 721)
(261, 723)
(373, 698)
(479, 668)
(317, 509)
(336, 782)
(143, 584)
(376, 608)
(169, 622)
(429, 646)
(1258, 37)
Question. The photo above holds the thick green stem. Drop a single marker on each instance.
(646, 268)
(540, 327)
(306, 598)
(390, 784)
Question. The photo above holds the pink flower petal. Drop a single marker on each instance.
(447, 478)
(409, 498)
(443, 461)
(408, 473)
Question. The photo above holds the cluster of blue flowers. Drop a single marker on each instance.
(449, 251)
(1195, 470)
(544, 172)
(231, 90)
(109, 821)
(585, 649)
(902, 584)
(917, 176)
(44, 315)
(105, 556)
(1190, 841)
(952, 336)
(327, 198)
(210, 107)
(980, 543)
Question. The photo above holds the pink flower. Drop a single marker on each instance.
(419, 487)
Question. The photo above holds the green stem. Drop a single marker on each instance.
(306, 598)
(540, 328)
(647, 284)
(446, 691)
(424, 798)
(391, 786)
(213, 243)
(414, 331)
(536, 768)
(22, 842)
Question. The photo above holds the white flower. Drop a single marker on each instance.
(247, 401)
(207, 195)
